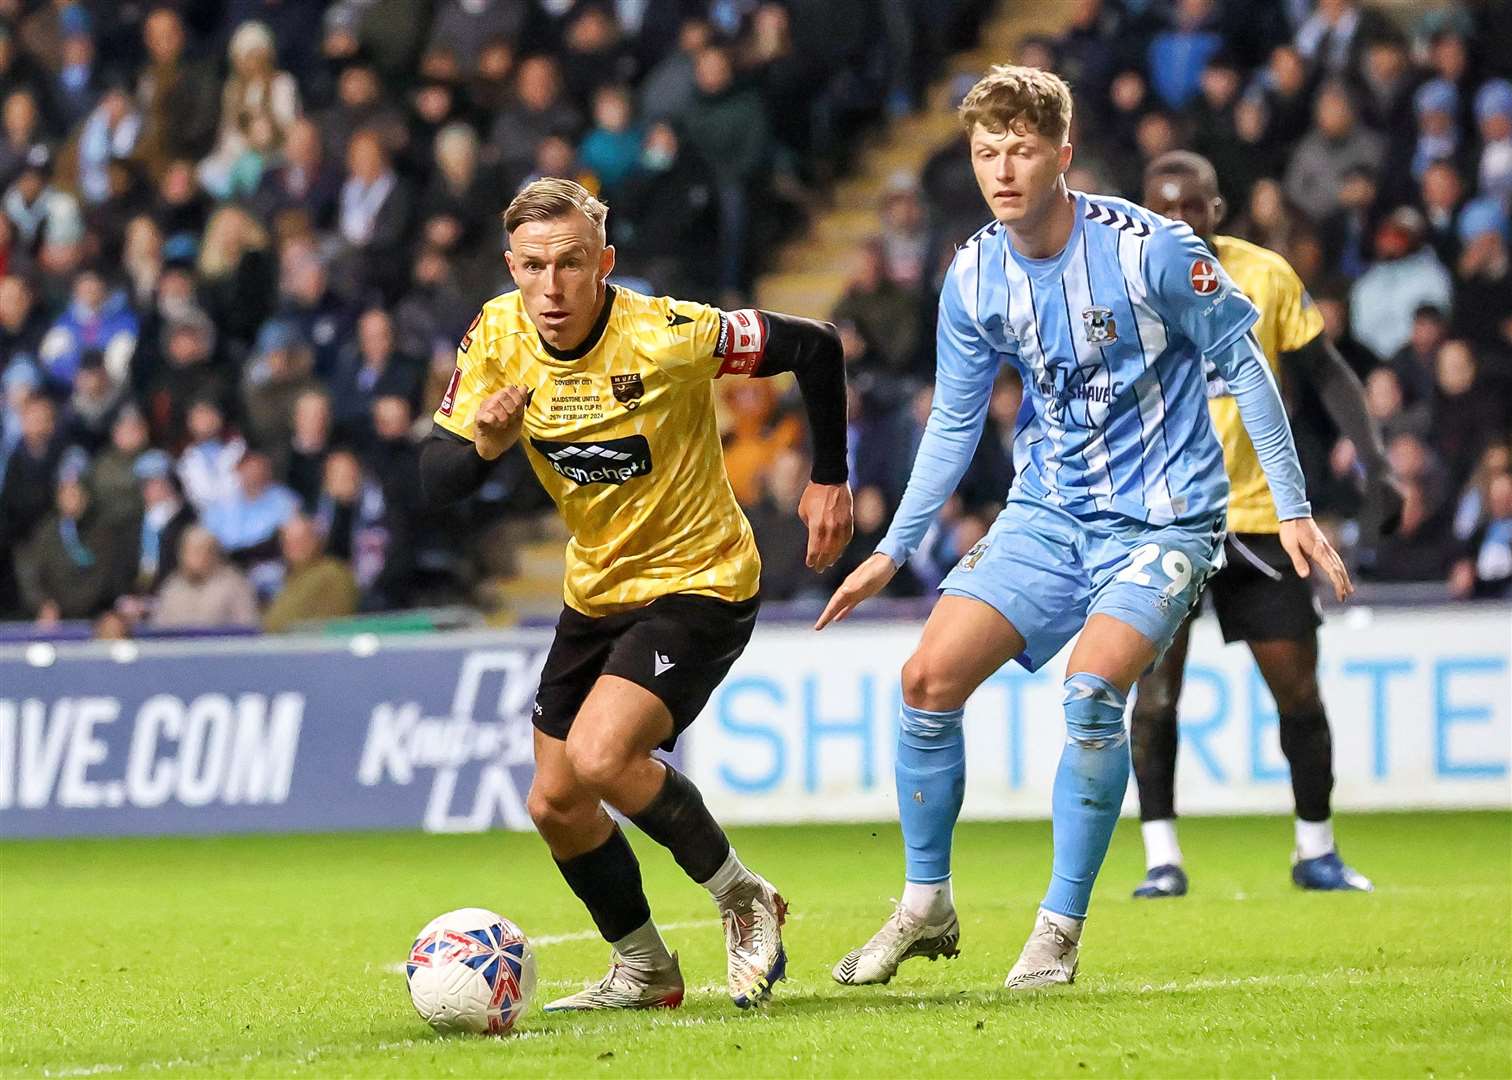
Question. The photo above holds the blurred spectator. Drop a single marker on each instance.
(905, 235)
(1486, 571)
(247, 520)
(278, 373)
(1441, 194)
(309, 445)
(165, 518)
(885, 314)
(204, 590)
(259, 104)
(178, 96)
(758, 431)
(781, 538)
(1422, 548)
(665, 222)
(538, 110)
(1288, 94)
(41, 213)
(99, 319)
(182, 208)
(1386, 84)
(360, 107)
(375, 211)
(373, 368)
(670, 89)
(727, 124)
(459, 212)
(594, 54)
(82, 558)
(1178, 55)
(612, 147)
(1336, 34)
(1484, 283)
(307, 300)
(463, 27)
(20, 130)
(207, 466)
(22, 320)
(492, 85)
(18, 384)
(1336, 143)
(92, 404)
(1493, 117)
(1477, 415)
(110, 133)
(1406, 277)
(1387, 406)
(142, 260)
(114, 478)
(1414, 362)
(316, 585)
(237, 274)
(301, 180)
(189, 374)
(30, 471)
(434, 309)
(1347, 232)
(353, 517)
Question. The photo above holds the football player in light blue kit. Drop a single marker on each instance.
(1116, 517)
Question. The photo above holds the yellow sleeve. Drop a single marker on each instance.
(478, 374)
(1298, 319)
(694, 341)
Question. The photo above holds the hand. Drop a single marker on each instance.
(866, 581)
(1304, 541)
(48, 615)
(499, 421)
(826, 510)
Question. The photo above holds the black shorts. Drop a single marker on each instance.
(1255, 604)
(679, 647)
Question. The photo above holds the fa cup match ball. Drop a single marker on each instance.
(471, 970)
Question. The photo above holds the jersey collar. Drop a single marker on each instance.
(1051, 266)
(595, 333)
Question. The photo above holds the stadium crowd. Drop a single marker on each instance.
(240, 241)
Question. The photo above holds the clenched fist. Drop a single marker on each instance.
(499, 421)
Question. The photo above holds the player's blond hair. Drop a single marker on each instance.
(1010, 97)
(552, 197)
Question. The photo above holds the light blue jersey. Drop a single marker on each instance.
(1109, 337)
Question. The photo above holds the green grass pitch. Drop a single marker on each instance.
(276, 956)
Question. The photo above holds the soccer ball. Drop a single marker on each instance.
(471, 970)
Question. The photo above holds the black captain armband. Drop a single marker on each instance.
(811, 350)
(450, 468)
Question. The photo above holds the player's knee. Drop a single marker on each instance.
(555, 809)
(597, 763)
(1094, 712)
(929, 683)
(1299, 697)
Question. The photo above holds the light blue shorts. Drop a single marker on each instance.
(1047, 571)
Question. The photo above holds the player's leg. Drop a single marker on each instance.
(656, 681)
(596, 861)
(964, 642)
(1290, 670)
(1153, 739)
(1145, 582)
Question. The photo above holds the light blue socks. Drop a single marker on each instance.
(1089, 790)
(930, 771)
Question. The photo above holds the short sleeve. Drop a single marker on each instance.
(1189, 288)
(1298, 320)
(477, 375)
(701, 342)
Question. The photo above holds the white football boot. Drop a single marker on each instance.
(1048, 959)
(626, 988)
(753, 913)
(902, 937)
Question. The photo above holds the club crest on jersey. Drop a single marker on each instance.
(1204, 277)
(1099, 325)
(628, 389)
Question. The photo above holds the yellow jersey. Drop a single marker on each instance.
(1288, 321)
(621, 432)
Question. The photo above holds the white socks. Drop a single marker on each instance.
(731, 872)
(1314, 838)
(930, 902)
(643, 949)
(1160, 844)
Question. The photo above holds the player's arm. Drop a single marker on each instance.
(1180, 271)
(1319, 364)
(812, 352)
(965, 367)
(476, 422)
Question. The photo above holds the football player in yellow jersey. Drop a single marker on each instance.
(611, 394)
(1258, 596)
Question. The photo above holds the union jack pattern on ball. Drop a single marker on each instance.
(471, 970)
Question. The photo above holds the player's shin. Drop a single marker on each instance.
(677, 819)
(930, 772)
(1308, 746)
(608, 882)
(1089, 790)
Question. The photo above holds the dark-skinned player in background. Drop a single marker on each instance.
(1258, 596)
